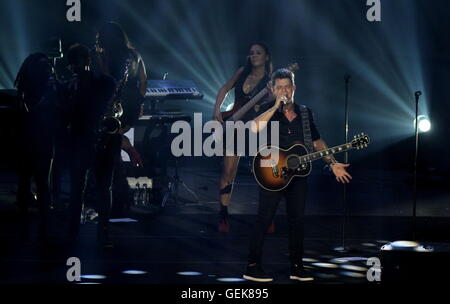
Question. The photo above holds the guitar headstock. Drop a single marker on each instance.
(293, 67)
(360, 141)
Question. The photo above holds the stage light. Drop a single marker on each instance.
(325, 265)
(123, 220)
(339, 260)
(424, 123)
(353, 267)
(352, 274)
(189, 273)
(348, 259)
(339, 249)
(134, 272)
(400, 245)
(93, 276)
(407, 246)
(404, 244)
(230, 280)
(310, 260)
(200, 57)
(422, 248)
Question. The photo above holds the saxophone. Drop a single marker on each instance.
(110, 123)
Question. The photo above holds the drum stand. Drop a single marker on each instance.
(174, 187)
(174, 181)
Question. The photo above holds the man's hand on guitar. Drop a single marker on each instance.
(341, 174)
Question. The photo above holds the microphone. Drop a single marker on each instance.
(283, 99)
(418, 93)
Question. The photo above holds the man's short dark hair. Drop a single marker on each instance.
(282, 74)
(77, 52)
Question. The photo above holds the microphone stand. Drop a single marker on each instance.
(344, 190)
(416, 130)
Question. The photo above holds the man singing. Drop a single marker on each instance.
(289, 116)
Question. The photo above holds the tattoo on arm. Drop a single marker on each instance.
(320, 144)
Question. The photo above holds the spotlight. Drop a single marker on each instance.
(189, 273)
(310, 260)
(400, 245)
(230, 280)
(134, 272)
(424, 123)
(352, 274)
(93, 276)
(325, 265)
(353, 267)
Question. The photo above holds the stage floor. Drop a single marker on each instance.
(181, 244)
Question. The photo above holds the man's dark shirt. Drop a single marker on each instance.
(88, 104)
(291, 132)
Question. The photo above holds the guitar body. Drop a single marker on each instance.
(278, 175)
(275, 174)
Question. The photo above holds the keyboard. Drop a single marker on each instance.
(172, 89)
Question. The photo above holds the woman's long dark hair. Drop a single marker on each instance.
(268, 66)
(114, 41)
(31, 80)
(111, 36)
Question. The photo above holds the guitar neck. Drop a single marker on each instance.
(322, 153)
(241, 112)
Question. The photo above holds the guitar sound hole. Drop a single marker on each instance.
(293, 162)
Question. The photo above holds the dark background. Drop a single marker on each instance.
(206, 41)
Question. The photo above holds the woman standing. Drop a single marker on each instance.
(39, 95)
(116, 58)
(248, 81)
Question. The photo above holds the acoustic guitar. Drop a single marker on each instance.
(275, 175)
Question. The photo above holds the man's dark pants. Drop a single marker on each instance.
(295, 195)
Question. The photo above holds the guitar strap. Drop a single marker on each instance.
(306, 128)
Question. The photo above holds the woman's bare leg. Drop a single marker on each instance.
(230, 165)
